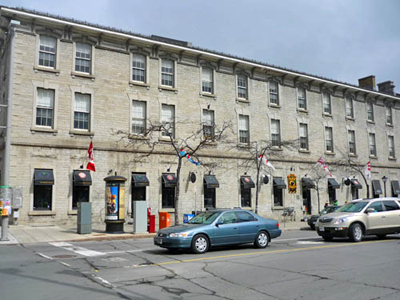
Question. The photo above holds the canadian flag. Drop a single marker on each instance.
(90, 165)
(323, 165)
(265, 161)
(367, 171)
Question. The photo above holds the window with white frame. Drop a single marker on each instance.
(329, 139)
(47, 51)
(167, 72)
(326, 98)
(370, 112)
(208, 124)
(389, 116)
(83, 58)
(242, 86)
(82, 111)
(45, 108)
(303, 136)
(275, 133)
(244, 135)
(168, 120)
(138, 117)
(392, 153)
(372, 144)
(273, 93)
(352, 142)
(349, 108)
(138, 67)
(207, 80)
(301, 98)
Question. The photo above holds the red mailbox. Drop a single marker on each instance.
(151, 223)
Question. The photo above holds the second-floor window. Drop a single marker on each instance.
(82, 111)
(167, 72)
(242, 86)
(275, 133)
(244, 135)
(303, 136)
(326, 98)
(45, 108)
(329, 139)
(370, 112)
(352, 142)
(372, 144)
(391, 146)
(301, 98)
(389, 118)
(273, 93)
(47, 51)
(207, 80)
(168, 120)
(83, 58)
(138, 67)
(138, 117)
(349, 108)
(208, 124)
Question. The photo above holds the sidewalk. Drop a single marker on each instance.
(23, 234)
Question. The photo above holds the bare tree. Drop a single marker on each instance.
(316, 174)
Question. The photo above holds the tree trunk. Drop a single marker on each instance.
(319, 202)
(257, 184)
(177, 189)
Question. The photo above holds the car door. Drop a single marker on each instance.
(226, 231)
(248, 226)
(376, 220)
(392, 215)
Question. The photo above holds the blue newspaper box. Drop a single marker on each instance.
(187, 217)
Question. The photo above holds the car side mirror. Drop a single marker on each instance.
(370, 210)
(219, 222)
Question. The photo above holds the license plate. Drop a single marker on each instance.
(321, 229)
(159, 241)
(315, 222)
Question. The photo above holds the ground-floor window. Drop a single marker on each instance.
(169, 182)
(278, 186)
(79, 194)
(42, 196)
(354, 193)
(245, 196)
(332, 195)
(209, 197)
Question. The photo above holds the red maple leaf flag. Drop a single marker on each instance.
(90, 165)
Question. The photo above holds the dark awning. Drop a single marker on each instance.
(82, 178)
(355, 183)
(395, 187)
(376, 186)
(169, 180)
(247, 182)
(43, 177)
(333, 183)
(140, 180)
(211, 181)
(307, 183)
(279, 183)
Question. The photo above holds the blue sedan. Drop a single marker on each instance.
(218, 228)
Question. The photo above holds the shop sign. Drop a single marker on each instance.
(292, 180)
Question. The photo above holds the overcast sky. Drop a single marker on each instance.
(342, 40)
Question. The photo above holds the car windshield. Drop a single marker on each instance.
(353, 207)
(204, 218)
(329, 209)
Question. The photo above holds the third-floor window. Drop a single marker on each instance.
(370, 112)
(167, 72)
(47, 51)
(242, 86)
(207, 80)
(326, 98)
(389, 117)
(349, 108)
(273, 93)
(138, 67)
(301, 98)
(83, 58)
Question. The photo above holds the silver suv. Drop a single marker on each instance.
(379, 216)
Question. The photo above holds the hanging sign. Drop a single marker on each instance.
(292, 183)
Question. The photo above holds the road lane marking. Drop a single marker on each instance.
(77, 249)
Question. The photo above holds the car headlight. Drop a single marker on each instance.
(340, 221)
(178, 234)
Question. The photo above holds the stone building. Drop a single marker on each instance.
(66, 83)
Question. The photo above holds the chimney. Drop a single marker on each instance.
(367, 82)
(387, 87)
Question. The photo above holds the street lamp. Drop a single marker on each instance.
(384, 179)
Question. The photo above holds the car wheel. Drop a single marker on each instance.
(262, 240)
(381, 236)
(312, 227)
(328, 238)
(200, 244)
(356, 233)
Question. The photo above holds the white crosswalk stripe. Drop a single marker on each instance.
(77, 249)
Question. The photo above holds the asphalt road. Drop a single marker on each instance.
(298, 265)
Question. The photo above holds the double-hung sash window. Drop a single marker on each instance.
(207, 80)
(138, 67)
(138, 117)
(276, 133)
(82, 111)
(372, 144)
(349, 108)
(389, 117)
(242, 86)
(208, 124)
(167, 72)
(168, 120)
(352, 142)
(329, 139)
(303, 136)
(301, 98)
(47, 51)
(45, 108)
(327, 103)
(370, 112)
(244, 135)
(391, 146)
(273, 93)
(83, 58)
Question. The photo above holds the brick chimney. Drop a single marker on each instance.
(386, 87)
(367, 82)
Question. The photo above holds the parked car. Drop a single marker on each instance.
(313, 219)
(378, 216)
(217, 228)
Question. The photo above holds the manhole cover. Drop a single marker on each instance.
(64, 256)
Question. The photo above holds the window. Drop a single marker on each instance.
(390, 205)
(301, 98)
(276, 133)
(47, 51)
(372, 144)
(389, 118)
(167, 73)
(138, 117)
(273, 93)
(391, 146)
(139, 68)
(242, 86)
(245, 216)
(45, 108)
(207, 80)
(208, 124)
(377, 206)
(349, 108)
(329, 139)
(83, 57)
(168, 197)
(82, 111)
(370, 112)
(303, 136)
(209, 197)
(228, 217)
(326, 98)
(244, 136)
(43, 189)
(168, 120)
(352, 142)
(278, 191)
(245, 195)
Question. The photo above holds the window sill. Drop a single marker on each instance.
(243, 100)
(137, 137)
(389, 124)
(138, 83)
(46, 69)
(353, 155)
(274, 105)
(350, 119)
(41, 213)
(165, 139)
(276, 148)
(304, 151)
(243, 146)
(202, 94)
(78, 132)
(370, 122)
(278, 207)
(167, 88)
(330, 153)
(373, 157)
(168, 210)
(47, 130)
(210, 143)
(302, 110)
(82, 75)
(327, 115)
(392, 158)
(73, 212)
